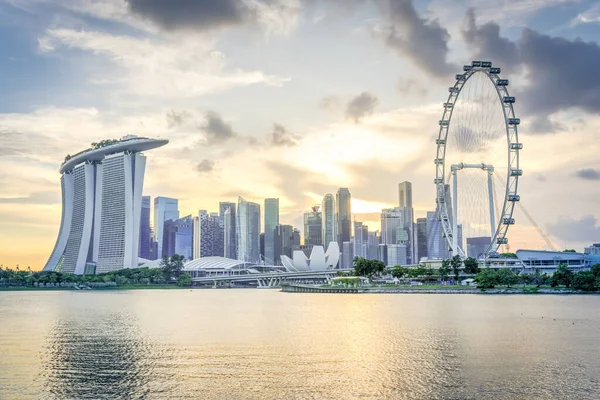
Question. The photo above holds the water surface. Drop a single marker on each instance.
(264, 344)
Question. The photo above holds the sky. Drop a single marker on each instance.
(291, 99)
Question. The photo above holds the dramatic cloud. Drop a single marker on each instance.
(361, 106)
(422, 40)
(216, 129)
(583, 230)
(562, 72)
(205, 166)
(199, 15)
(487, 43)
(590, 174)
(282, 137)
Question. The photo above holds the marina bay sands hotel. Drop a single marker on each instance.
(101, 207)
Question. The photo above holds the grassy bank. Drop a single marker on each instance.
(122, 287)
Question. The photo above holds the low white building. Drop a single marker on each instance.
(319, 260)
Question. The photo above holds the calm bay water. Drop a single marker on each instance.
(263, 344)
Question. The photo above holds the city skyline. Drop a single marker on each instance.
(362, 116)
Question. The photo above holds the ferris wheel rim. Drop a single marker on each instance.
(513, 151)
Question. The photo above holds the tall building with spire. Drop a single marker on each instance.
(101, 207)
(313, 227)
(343, 212)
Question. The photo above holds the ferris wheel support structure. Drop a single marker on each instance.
(449, 223)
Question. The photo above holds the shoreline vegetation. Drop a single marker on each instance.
(368, 276)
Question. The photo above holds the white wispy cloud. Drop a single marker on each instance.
(147, 67)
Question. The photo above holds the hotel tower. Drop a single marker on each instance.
(101, 207)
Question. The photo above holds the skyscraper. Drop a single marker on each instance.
(165, 208)
(405, 202)
(328, 218)
(208, 235)
(392, 220)
(347, 255)
(145, 231)
(421, 236)
(286, 238)
(313, 227)
(343, 214)
(101, 207)
(228, 214)
(248, 231)
(178, 237)
(361, 240)
(271, 222)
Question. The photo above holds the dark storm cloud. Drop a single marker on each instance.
(589, 174)
(561, 73)
(576, 230)
(282, 137)
(488, 44)
(191, 14)
(216, 129)
(424, 41)
(542, 124)
(361, 106)
(205, 166)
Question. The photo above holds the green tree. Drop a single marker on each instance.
(569, 251)
(398, 271)
(184, 280)
(505, 276)
(486, 278)
(444, 270)
(456, 263)
(171, 267)
(562, 276)
(508, 255)
(596, 270)
(584, 280)
(471, 266)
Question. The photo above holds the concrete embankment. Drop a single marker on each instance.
(321, 289)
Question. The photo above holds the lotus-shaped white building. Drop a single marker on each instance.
(319, 259)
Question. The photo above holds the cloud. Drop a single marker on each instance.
(182, 68)
(216, 129)
(329, 103)
(542, 124)
(201, 15)
(582, 230)
(176, 119)
(590, 174)
(560, 71)
(424, 41)
(361, 106)
(47, 197)
(282, 137)
(409, 86)
(488, 44)
(205, 166)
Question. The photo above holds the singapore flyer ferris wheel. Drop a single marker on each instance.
(477, 161)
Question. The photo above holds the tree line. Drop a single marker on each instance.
(170, 271)
(588, 280)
